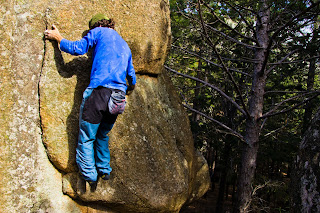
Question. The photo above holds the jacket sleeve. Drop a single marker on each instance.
(79, 47)
(131, 73)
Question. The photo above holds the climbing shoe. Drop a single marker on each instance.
(105, 176)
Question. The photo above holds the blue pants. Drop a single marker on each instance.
(95, 122)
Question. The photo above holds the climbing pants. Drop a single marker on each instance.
(95, 122)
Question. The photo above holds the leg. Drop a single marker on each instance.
(85, 149)
(102, 149)
(95, 123)
(102, 145)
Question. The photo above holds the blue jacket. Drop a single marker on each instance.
(112, 58)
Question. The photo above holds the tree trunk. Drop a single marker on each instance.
(230, 112)
(313, 51)
(248, 166)
(250, 149)
(305, 177)
(224, 172)
(310, 105)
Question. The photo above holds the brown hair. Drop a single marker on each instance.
(104, 23)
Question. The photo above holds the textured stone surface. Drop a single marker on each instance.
(200, 183)
(156, 168)
(153, 156)
(145, 25)
(24, 163)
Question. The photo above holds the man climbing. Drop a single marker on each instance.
(104, 98)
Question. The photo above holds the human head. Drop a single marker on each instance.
(101, 20)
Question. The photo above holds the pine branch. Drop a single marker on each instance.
(280, 62)
(297, 61)
(234, 82)
(285, 10)
(284, 92)
(275, 131)
(230, 131)
(241, 7)
(209, 85)
(243, 17)
(283, 102)
(223, 64)
(275, 34)
(270, 114)
(296, 16)
(220, 33)
(251, 47)
(208, 61)
(228, 26)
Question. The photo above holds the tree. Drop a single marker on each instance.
(252, 43)
(306, 192)
(312, 49)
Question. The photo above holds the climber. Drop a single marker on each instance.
(104, 98)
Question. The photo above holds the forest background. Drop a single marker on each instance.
(248, 74)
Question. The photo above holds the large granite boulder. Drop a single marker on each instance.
(155, 166)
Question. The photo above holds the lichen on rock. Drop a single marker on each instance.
(155, 165)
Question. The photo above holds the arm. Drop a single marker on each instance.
(131, 76)
(53, 34)
(131, 87)
(73, 47)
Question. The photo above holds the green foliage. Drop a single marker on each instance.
(230, 25)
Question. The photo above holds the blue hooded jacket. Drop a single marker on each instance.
(112, 58)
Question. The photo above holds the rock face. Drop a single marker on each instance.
(155, 166)
(306, 174)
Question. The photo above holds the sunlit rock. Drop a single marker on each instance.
(155, 165)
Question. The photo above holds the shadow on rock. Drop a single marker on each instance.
(81, 68)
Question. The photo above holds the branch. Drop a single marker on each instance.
(243, 17)
(284, 101)
(224, 66)
(288, 109)
(293, 18)
(219, 32)
(231, 39)
(279, 16)
(284, 58)
(228, 26)
(282, 28)
(274, 131)
(208, 61)
(243, 60)
(297, 61)
(259, 187)
(234, 83)
(241, 7)
(231, 131)
(299, 26)
(209, 85)
(275, 91)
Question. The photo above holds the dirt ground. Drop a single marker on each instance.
(207, 204)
